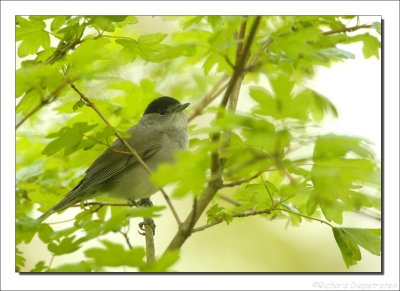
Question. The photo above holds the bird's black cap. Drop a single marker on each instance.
(160, 105)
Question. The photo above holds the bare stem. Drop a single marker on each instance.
(347, 29)
(237, 183)
(127, 240)
(258, 212)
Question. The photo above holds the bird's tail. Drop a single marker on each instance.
(69, 200)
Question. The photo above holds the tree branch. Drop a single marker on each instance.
(149, 235)
(215, 182)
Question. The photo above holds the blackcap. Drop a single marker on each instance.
(161, 131)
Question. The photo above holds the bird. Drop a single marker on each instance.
(161, 131)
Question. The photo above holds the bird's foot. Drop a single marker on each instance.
(145, 202)
(132, 202)
(147, 222)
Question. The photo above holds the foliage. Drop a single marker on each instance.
(279, 166)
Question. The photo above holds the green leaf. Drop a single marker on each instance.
(215, 213)
(371, 44)
(39, 267)
(19, 260)
(191, 20)
(67, 138)
(338, 146)
(46, 233)
(65, 246)
(312, 204)
(57, 22)
(282, 87)
(377, 26)
(82, 267)
(368, 238)
(121, 215)
(88, 54)
(348, 240)
(32, 34)
(130, 49)
(189, 179)
(103, 23)
(333, 53)
(114, 255)
(79, 104)
(26, 228)
(266, 101)
(151, 39)
(348, 247)
(30, 100)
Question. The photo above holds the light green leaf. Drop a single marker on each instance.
(114, 255)
(368, 238)
(19, 260)
(32, 33)
(57, 22)
(377, 26)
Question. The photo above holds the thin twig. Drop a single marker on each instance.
(258, 212)
(51, 262)
(49, 99)
(258, 53)
(229, 200)
(215, 91)
(128, 146)
(237, 215)
(125, 235)
(346, 29)
(240, 182)
(305, 216)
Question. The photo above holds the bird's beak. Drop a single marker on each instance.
(181, 107)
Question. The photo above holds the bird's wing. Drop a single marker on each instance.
(112, 161)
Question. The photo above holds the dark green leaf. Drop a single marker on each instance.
(39, 267)
(348, 247)
(65, 246)
(82, 266)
